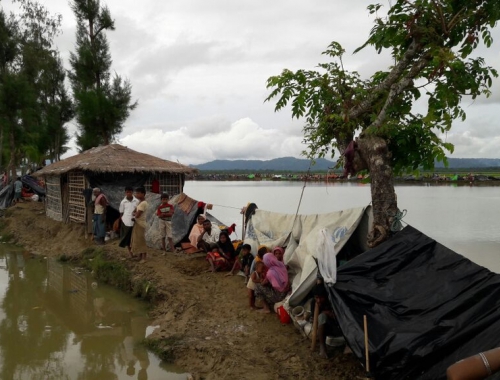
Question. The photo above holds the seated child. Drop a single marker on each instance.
(260, 255)
(244, 261)
(255, 278)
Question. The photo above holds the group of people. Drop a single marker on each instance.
(133, 224)
(266, 275)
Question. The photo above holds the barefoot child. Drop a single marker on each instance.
(255, 278)
(244, 261)
(164, 212)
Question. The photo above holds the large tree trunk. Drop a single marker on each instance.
(11, 167)
(372, 153)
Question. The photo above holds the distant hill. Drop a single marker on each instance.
(276, 164)
(469, 163)
(302, 165)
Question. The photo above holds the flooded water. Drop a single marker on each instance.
(57, 323)
(463, 218)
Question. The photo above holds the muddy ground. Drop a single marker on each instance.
(205, 323)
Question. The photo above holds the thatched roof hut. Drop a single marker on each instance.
(114, 158)
(110, 167)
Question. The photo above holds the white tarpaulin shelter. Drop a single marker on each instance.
(308, 238)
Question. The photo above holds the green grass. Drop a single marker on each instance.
(109, 271)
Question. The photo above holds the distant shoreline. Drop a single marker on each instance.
(480, 179)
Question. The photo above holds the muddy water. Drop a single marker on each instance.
(57, 323)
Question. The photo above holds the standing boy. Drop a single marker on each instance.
(127, 207)
(18, 188)
(165, 212)
(99, 218)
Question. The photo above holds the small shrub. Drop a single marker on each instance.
(163, 348)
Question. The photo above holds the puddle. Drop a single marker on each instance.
(58, 323)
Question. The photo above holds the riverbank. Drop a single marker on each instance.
(205, 324)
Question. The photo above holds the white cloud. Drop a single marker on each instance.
(199, 70)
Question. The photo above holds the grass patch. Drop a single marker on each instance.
(163, 348)
(146, 290)
(63, 258)
(8, 212)
(6, 237)
(112, 273)
(116, 274)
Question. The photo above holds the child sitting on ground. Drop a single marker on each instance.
(255, 278)
(244, 261)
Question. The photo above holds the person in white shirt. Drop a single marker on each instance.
(127, 207)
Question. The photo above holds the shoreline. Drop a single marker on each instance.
(206, 326)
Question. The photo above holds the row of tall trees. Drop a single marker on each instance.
(35, 104)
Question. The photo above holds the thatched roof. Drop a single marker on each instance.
(114, 158)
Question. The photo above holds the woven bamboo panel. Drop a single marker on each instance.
(76, 183)
(53, 198)
(169, 183)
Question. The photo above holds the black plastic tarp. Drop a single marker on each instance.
(427, 307)
(6, 196)
(32, 183)
(113, 184)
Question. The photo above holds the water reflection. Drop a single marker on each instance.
(57, 323)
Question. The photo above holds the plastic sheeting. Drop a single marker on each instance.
(7, 192)
(427, 307)
(113, 184)
(32, 183)
(181, 221)
(327, 257)
(6, 196)
(300, 235)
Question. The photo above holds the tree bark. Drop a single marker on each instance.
(11, 167)
(373, 153)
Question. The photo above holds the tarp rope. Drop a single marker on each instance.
(303, 188)
(397, 222)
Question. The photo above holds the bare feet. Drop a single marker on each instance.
(265, 311)
(322, 352)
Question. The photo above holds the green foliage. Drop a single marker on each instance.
(431, 43)
(34, 105)
(103, 103)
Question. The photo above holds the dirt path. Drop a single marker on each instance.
(204, 319)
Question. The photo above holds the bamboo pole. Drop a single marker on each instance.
(367, 357)
(315, 327)
(243, 228)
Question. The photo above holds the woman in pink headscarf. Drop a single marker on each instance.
(279, 253)
(275, 286)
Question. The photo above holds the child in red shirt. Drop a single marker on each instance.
(164, 212)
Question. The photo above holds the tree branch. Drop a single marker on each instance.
(398, 88)
(441, 17)
(414, 49)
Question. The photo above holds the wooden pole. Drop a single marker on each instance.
(315, 327)
(243, 228)
(367, 357)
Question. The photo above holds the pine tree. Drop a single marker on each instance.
(34, 105)
(102, 102)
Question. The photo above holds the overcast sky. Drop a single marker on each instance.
(199, 67)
